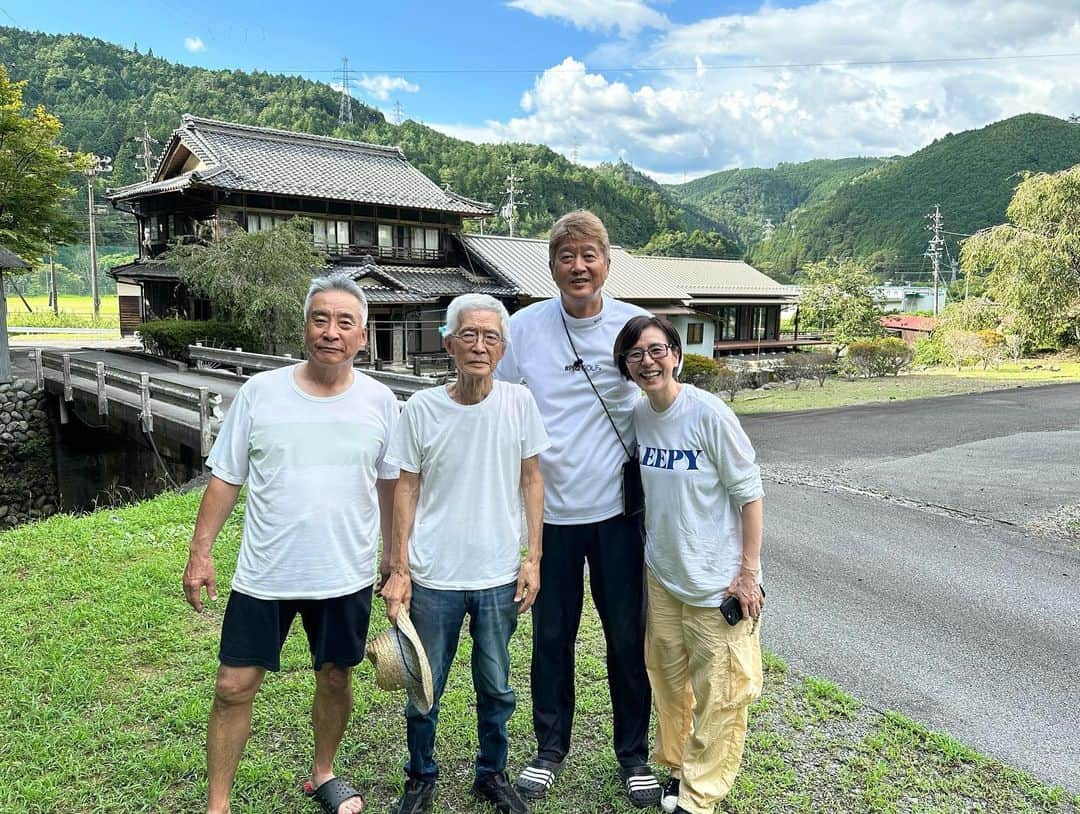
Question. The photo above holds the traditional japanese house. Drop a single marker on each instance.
(375, 215)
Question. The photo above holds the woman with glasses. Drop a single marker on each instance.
(470, 471)
(703, 520)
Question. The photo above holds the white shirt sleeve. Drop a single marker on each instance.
(731, 447)
(534, 436)
(384, 469)
(228, 457)
(404, 452)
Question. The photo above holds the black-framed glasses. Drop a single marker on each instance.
(489, 338)
(635, 356)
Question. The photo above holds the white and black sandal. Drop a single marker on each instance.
(642, 787)
(537, 778)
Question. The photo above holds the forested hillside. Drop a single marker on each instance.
(103, 93)
(739, 202)
(864, 207)
(972, 175)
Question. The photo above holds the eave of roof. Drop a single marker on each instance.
(244, 158)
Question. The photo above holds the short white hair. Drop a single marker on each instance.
(466, 303)
(337, 281)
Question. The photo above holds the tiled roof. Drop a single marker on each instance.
(523, 262)
(716, 278)
(279, 162)
(406, 284)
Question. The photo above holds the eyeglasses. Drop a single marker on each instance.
(489, 338)
(635, 356)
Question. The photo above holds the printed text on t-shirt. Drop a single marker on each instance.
(685, 459)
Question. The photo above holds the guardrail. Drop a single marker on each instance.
(70, 371)
(240, 363)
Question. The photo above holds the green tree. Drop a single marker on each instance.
(1034, 259)
(697, 243)
(35, 170)
(838, 295)
(259, 278)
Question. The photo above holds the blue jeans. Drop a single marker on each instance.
(437, 616)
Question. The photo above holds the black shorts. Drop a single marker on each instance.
(254, 630)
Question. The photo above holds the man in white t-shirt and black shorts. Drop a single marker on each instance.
(556, 347)
(309, 440)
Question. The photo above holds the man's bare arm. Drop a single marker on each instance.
(217, 504)
(398, 588)
(385, 490)
(532, 489)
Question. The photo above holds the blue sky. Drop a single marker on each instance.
(677, 88)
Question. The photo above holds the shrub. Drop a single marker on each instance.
(700, 371)
(893, 356)
(731, 380)
(170, 337)
(815, 364)
(962, 347)
(878, 357)
(992, 349)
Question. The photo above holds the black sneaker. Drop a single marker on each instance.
(418, 796)
(496, 789)
(669, 800)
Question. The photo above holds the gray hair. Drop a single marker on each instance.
(459, 306)
(337, 281)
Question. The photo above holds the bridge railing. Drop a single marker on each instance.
(241, 363)
(97, 377)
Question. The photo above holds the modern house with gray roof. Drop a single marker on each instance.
(719, 307)
(374, 214)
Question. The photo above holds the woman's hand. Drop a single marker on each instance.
(745, 587)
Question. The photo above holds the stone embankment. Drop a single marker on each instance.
(28, 488)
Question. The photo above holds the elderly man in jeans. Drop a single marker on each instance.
(468, 455)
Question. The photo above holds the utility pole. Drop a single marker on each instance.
(510, 210)
(344, 115)
(149, 160)
(100, 166)
(933, 250)
(54, 297)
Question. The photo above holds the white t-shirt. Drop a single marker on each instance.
(468, 530)
(698, 470)
(311, 527)
(583, 468)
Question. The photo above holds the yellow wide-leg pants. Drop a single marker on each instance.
(704, 674)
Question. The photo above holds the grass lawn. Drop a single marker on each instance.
(106, 678)
(839, 392)
(75, 312)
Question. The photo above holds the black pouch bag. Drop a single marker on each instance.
(633, 493)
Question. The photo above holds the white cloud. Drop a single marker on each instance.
(628, 16)
(381, 85)
(194, 44)
(858, 81)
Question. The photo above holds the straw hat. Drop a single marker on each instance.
(400, 662)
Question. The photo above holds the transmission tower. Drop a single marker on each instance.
(516, 196)
(933, 250)
(399, 115)
(344, 115)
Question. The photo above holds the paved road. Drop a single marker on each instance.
(911, 555)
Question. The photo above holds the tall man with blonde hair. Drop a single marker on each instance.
(557, 347)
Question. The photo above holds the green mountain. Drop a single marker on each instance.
(972, 175)
(103, 93)
(739, 202)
